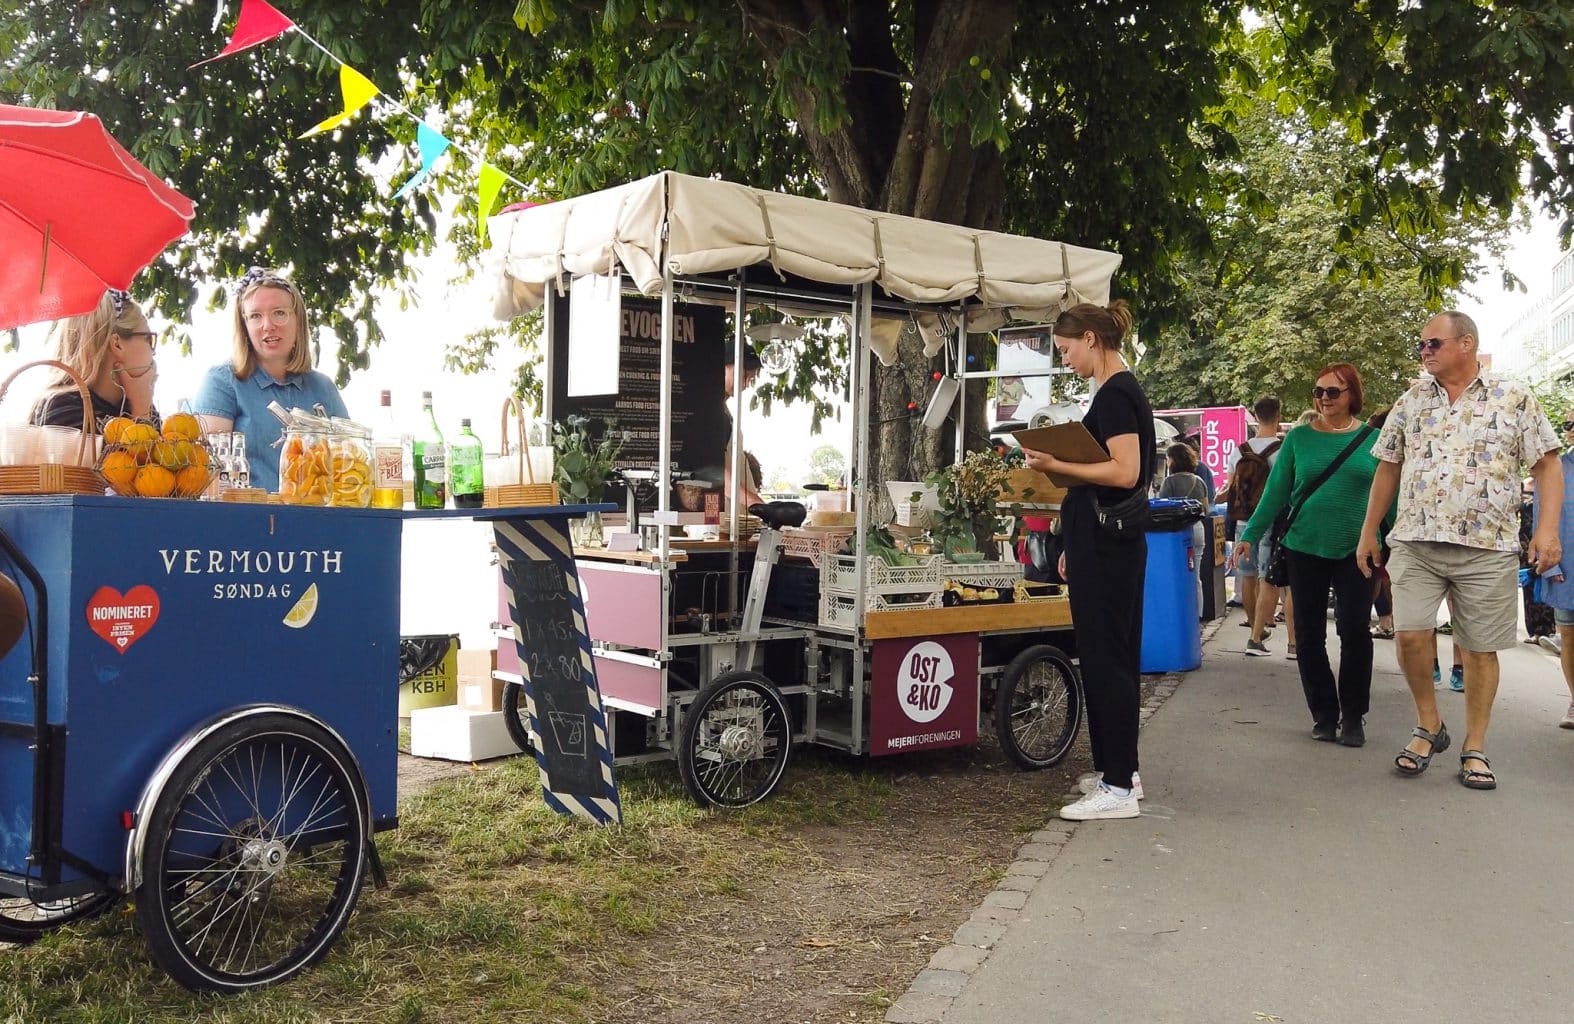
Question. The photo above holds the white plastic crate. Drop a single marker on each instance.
(836, 610)
(982, 575)
(839, 575)
(811, 543)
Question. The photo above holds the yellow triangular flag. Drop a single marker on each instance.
(491, 181)
(358, 92)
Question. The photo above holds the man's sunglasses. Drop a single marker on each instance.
(1431, 344)
(1328, 393)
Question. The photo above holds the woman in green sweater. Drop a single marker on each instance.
(1320, 550)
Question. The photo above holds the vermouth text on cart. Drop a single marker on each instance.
(212, 561)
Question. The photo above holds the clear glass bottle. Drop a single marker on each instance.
(464, 468)
(388, 443)
(222, 469)
(240, 467)
(429, 456)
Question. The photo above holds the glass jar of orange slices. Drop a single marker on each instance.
(306, 460)
(352, 464)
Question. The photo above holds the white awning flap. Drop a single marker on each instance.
(703, 226)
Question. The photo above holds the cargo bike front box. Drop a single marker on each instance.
(202, 717)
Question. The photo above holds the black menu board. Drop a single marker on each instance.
(554, 666)
(700, 426)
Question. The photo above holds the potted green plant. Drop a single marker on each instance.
(582, 464)
(969, 511)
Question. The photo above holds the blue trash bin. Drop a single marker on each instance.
(1171, 636)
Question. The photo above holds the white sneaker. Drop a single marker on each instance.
(1100, 804)
(1089, 781)
(1567, 723)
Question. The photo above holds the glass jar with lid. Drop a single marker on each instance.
(351, 443)
(306, 460)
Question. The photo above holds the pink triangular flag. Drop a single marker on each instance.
(259, 22)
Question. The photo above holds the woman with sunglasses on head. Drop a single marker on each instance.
(1104, 556)
(1322, 477)
(271, 362)
(111, 349)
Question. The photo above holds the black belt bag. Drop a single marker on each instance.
(1126, 518)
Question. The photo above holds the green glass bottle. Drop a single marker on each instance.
(464, 468)
(429, 459)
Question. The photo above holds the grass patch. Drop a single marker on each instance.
(497, 908)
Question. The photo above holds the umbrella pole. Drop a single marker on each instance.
(43, 264)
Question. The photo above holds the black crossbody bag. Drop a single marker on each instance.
(1127, 517)
(1277, 572)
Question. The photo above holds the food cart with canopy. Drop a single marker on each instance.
(728, 692)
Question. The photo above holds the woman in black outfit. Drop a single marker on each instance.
(1104, 565)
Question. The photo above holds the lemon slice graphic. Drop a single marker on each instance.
(304, 609)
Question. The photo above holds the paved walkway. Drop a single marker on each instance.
(1274, 878)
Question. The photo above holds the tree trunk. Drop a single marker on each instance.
(893, 153)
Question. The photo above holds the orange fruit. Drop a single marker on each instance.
(138, 439)
(115, 429)
(189, 482)
(192, 454)
(167, 454)
(154, 481)
(182, 426)
(120, 469)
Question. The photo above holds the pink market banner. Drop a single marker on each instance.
(1218, 432)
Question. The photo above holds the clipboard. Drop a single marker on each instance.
(1070, 442)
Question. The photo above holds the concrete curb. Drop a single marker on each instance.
(931, 994)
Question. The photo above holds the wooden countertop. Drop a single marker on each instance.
(1051, 614)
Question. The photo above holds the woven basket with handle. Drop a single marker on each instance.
(50, 478)
(513, 495)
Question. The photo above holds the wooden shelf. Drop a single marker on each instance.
(1055, 614)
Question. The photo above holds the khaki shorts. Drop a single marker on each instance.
(1482, 588)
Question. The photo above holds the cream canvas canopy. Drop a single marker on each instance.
(697, 226)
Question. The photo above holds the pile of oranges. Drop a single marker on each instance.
(141, 460)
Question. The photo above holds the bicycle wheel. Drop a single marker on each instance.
(1038, 707)
(736, 741)
(515, 718)
(23, 920)
(254, 855)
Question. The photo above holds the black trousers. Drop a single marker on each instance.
(1106, 580)
(1311, 578)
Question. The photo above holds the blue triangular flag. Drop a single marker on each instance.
(432, 145)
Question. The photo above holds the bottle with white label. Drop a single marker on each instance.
(388, 444)
(429, 456)
(240, 468)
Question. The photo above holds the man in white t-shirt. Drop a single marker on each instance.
(1259, 598)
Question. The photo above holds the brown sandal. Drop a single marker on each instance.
(1476, 778)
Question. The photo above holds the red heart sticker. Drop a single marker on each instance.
(121, 620)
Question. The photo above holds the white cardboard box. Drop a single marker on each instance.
(459, 734)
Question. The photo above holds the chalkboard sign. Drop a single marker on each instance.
(556, 672)
(700, 425)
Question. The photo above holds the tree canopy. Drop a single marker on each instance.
(1105, 122)
(1274, 301)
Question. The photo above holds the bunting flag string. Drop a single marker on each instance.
(260, 22)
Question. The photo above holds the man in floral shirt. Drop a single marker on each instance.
(1455, 449)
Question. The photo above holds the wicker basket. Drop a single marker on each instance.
(513, 495)
(51, 478)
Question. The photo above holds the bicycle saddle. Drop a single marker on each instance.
(777, 514)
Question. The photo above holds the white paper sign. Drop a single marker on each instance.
(594, 335)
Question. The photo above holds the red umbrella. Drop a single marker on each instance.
(78, 214)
